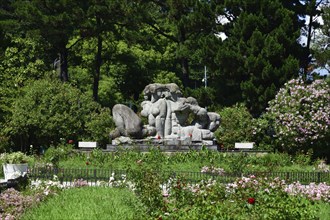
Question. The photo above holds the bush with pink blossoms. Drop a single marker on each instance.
(312, 191)
(213, 170)
(300, 115)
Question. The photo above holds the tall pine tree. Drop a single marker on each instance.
(259, 55)
(55, 22)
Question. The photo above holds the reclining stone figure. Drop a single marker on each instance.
(167, 113)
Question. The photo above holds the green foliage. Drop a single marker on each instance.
(98, 126)
(263, 133)
(167, 77)
(192, 161)
(147, 187)
(21, 63)
(133, 68)
(271, 200)
(50, 110)
(236, 126)
(205, 96)
(246, 198)
(14, 158)
(55, 155)
(98, 158)
(254, 60)
(109, 94)
(5, 143)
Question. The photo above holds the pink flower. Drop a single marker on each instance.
(70, 141)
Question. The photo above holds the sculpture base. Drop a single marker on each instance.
(164, 144)
(161, 147)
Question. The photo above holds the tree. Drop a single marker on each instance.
(255, 59)
(311, 13)
(185, 23)
(110, 27)
(55, 22)
(321, 44)
(7, 24)
(104, 18)
(21, 63)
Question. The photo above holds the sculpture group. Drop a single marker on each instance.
(170, 117)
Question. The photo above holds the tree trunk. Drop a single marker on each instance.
(64, 76)
(98, 63)
(185, 71)
(183, 59)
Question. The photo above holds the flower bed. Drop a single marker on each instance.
(176, 198)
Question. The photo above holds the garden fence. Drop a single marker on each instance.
(94, 176)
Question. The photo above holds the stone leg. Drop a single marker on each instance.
(168, 127)
(160, 124)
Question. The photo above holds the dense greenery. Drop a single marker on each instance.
(255, 60)
(192, 161)
(49, 112)
(236, 126)
(107, 51)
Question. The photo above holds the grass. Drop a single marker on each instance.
(324, 211)
(89, 203)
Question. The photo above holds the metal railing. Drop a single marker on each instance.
(94, 175)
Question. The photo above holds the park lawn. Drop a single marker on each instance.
(89, 203)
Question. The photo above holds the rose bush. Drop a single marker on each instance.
(246, 198)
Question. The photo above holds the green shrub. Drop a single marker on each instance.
(49, 111)
(236, 126)
(14, 158)
(53, 155)
(263, 133)
(147, 184)
(98, 127)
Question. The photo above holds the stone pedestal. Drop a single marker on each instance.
(166, 145)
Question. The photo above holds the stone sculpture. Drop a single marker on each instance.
(169, 117)
(127, 123)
